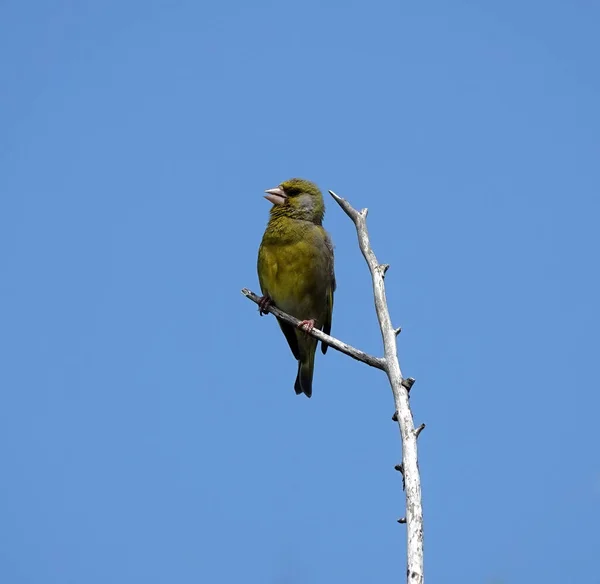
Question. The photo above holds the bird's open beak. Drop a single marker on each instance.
(276, 196)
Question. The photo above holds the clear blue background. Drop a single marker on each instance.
(149, 431)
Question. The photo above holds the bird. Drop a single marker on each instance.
(296, 272)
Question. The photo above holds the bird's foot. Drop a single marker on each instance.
(307, 325)
(263, 304)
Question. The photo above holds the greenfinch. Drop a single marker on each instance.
(295, 270)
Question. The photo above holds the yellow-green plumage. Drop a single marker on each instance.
(295, 269)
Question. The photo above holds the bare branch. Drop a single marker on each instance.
(403, 415)
(336, 344)
(400, 388)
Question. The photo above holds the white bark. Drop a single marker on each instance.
(400, 388)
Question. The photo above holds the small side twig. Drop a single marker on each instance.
(408, 383)
(400, 469)
(419, 430)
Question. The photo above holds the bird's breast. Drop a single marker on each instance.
(295, 277)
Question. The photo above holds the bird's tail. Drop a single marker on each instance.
(305, 375)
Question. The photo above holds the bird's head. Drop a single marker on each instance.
(298, 199)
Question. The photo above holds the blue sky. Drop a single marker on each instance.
(149, 430)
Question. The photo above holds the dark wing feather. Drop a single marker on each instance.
(290, 335)
(330, 291)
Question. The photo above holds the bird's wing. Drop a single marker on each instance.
(330, 291)
(290, 334)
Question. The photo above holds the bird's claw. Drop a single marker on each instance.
(263, 304)
(307, 325)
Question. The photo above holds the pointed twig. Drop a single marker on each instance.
(408, 383)
(400, 469)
